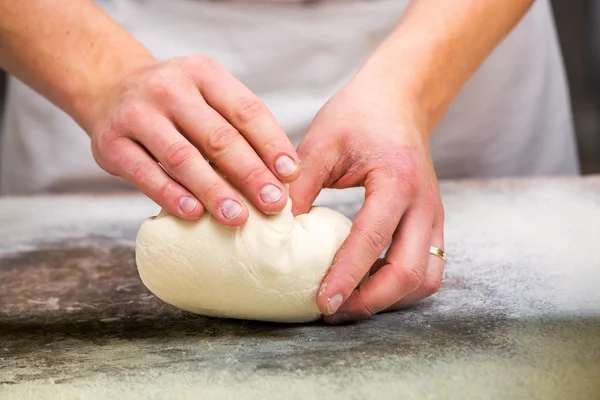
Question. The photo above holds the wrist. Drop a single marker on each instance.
(412, 78)
(87, 97)
(436, 47)
(397, 89)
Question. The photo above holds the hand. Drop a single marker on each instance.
(182, 114)
(365, 136)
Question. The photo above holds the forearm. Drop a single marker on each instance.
(67, 51)
(437, 46)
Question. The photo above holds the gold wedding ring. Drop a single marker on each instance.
(434, 251)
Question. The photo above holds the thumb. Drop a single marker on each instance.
(315, 172)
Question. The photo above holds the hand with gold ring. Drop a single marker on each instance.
(361, 138)
(434, 251)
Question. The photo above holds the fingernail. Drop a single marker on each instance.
(187, 204)
(231, 209)
(339, 318)
(334, 302)
(285, 166)
(270, 194)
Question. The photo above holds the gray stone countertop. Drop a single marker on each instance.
(518, 315)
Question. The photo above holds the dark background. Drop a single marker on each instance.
(578, 24)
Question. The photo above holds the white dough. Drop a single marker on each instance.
(270, 269)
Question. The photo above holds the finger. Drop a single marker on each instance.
(404, 272)
(136, 166)
(317, 165)
(379, 263)
(249, 116)
(435, 268)
(305, 189)
(225, 147)
(184, 162)
(370, 233)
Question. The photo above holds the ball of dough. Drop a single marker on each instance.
(270, 269)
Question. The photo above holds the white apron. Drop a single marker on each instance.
(511, 119)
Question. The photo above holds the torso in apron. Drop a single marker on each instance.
(511, 119)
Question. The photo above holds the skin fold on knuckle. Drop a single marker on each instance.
(162, 86)
(220, 140)
(129, 115)
(404, 170)
(277, 145)
(179, 155)
(381, 298)
(213, 193)
(248, 110)
(254, 177)
(140, 172)
(373, 241)
(409, 277)
(106, 149)
(365, 310)
(431, 285)
(103, 152)
(407, 181)
(358, 306)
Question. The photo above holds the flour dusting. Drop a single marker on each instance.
(518, 314)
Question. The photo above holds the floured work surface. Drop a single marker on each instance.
(518, 314)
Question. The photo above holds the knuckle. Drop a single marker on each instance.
(366, 310)
(404, 169)
(200, 62)
(104, 163)
(179, 155)
(248, 110)
(273, 145)
(141, 171)
(102, 143)
(130, 115)
(413, 275)
(253, 174)
(358, 305)
(353, 279)
(407, 279)
(220, 139)
(105, 150)
(161, 86)
(373, 240)
(369, 311)
(408, 181)
(431, 285)
(212, 191)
